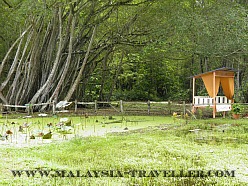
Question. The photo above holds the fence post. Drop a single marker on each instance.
(75, 106)
(54, 107)
(31, 108)
(121, 106)
(184, 109)
(1, 107)
(169, 106)
(149, 106)
(28, 109)
(95, 105)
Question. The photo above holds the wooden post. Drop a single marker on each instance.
(54, 107)
(75, 106)
(224, 114)
(214, 105)
(193, 93)
(31, 108)
(1, 107)
(149, 106)
(169, 106)
(28, 109)
(184, 109)
(95, 105)
(121, 106)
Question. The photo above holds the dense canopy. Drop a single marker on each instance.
(118, 49)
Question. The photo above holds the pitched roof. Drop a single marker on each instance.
(218, 69)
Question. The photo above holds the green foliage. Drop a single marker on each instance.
(205, 32)
(237, 108)
(142, 49)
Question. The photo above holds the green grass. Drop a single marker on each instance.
(154, 143)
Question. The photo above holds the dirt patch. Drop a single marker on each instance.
(23, 140)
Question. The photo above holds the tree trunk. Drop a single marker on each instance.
(15, 85)
(50, 78)
(12, 68)
(76, 82)
(104, 74)
(116, 77)
(2, 97)
(11, 48)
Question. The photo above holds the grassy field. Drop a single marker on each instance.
(119, 145)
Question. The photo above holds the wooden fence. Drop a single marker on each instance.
(101, 107)
(109, 107)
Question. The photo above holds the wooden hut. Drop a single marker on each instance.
(212, 80)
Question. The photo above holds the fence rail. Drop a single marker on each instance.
(115, 107)
(110, 107)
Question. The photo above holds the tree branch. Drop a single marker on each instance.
(7, 3)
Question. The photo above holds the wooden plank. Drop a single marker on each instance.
(86, 103)
(17, 106)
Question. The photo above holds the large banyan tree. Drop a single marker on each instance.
(54, 50)
(60, 45)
